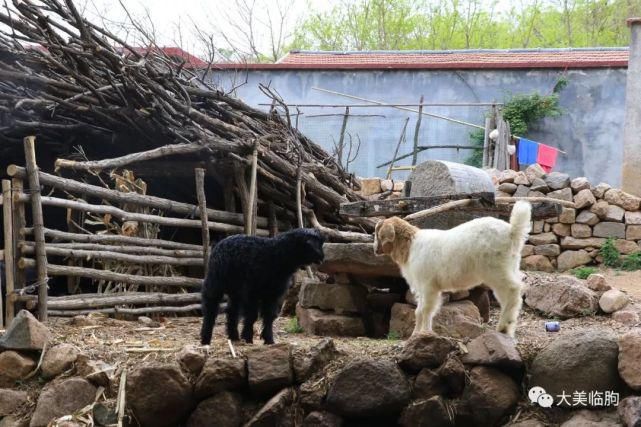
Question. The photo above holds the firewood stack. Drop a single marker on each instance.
(68, 80)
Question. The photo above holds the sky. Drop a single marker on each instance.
(173, 21)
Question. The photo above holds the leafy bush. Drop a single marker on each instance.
(293, 327)
(393, 336)
(632, 262)
(610, 254)
(584, 272)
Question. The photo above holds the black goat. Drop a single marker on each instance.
(254, 273)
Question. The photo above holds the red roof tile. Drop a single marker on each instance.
(461, 59)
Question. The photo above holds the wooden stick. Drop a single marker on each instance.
(341, 138)
(202, 204)
(398, 146)
(118, 162)
(115, 256)
(130, 216)
(40, 360)
(85, 301)
(243, 194)
(231, 349)
(343, 236)
(438, 209)
(38, 225)
(113, 238)
(565, 203)
(127, 311)
(121, 400)
(416, 131)
(7, 224)
(273, 223)
(486, 143)
(19, 222)
(253, 192)
(140, 250)
(166, 205)
(151, 350)
(65, 270)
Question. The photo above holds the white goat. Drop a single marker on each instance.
(484, 250)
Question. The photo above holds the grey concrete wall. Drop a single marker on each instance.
(631, 176)
(590, 130)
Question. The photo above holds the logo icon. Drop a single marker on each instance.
(539, 396)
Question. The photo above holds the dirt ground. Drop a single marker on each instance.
(627, 281)
(131, 343)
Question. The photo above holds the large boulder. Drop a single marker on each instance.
(432, 412)
(586, 418)
(269, 369)
(583, 360)
(191, 359)
(557, 180)
(317, 322)
(369, 389)
(622, 199)
(613, 300)
(489, 397)
(493, 349)
(220, 374)
(278, 411)
(629, 411)
(25, 333)
(307, 362)
(13, 367)
(339, 298)
(11, 400)
(568, 260)
(458, 319)
(630, 359)
(322, 419)
(58, 359)
(562, 296)
(225, 408)
(424, 351)
(356, 258)
(63, 398)
(159, 395)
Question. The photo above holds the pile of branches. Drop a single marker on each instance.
(62, 76)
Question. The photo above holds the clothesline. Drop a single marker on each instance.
(530, 152)
(560, 151)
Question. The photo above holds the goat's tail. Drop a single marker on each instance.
(520, 222)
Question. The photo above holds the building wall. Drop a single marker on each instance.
(590, 130)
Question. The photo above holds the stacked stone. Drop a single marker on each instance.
(333, 309)
(381, 189)
(573, 238)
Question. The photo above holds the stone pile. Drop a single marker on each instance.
(573, 238)
(428, 380)
(381, 189)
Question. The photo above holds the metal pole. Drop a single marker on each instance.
(382, 104)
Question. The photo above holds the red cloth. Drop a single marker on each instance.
(547, 157)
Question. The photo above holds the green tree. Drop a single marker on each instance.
(461, 24)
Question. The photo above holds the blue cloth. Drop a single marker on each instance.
(528, 151)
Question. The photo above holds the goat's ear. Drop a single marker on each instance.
(386, 235)
(378, 226)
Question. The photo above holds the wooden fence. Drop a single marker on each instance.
(30, 246)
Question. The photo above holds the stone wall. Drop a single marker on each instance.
(573, 239)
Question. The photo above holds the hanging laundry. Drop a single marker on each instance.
(527, 151)
(547, 157)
